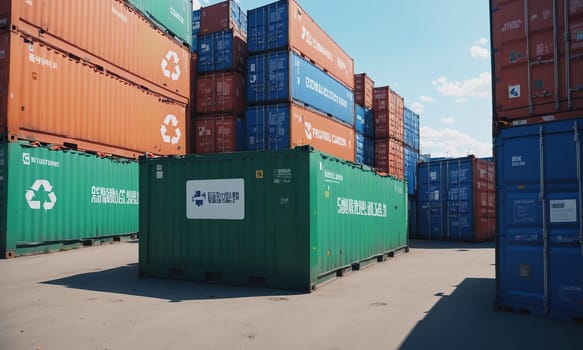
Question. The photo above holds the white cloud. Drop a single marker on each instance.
(461, 100)
(448, 120)
(475, 87)
(481, 42)
(427, 99)
(417, 107)
(480, 49)
(195, 4)
(450, 142)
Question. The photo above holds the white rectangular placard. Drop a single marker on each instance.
(215, 199)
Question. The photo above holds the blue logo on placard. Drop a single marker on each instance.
(514, 92)
(198, 198)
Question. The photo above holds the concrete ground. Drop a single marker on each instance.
(440, 295)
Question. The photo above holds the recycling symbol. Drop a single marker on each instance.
(171, 57)
(170, 120)
(31, 194)
(308, 130)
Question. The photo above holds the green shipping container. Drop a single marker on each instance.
(174, 16)
(50, 199)
(285, 219)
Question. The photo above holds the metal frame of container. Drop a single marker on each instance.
(218, 133)
(539, 255)
(283, 219)
(221, 51)
(52, 199)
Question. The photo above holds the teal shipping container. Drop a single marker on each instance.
(173, 16)
(52, 199)
(287, 219)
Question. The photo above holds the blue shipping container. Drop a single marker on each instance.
(284, 76)
(411, 157)
(364, 149)
(456, 199)
(412, 210)
(195, 29)
(268, 27)
(411, 129)
(364, 122)
(221, 51)
(268, 127)
(539, 258)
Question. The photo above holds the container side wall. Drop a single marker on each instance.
(174, 16)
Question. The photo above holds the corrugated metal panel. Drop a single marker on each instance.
(86, 28)
(363, 90)
(195, 29)
(283, 219)
(411, 157)
(388, 112)
(220, 93)
(174, 16)
(364, 149)
(221, 51)
(284, 76)
(283, 126)
(226, 15)
(411, 124)
(364, 121)
(53, 197)
(539, 260)
(57, 99)
(389, 157)
(456, 199)
(412, 217)
(284, 24)
(220, 133)
(536, 61)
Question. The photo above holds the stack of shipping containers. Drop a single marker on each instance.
(364, 123)
(218, 125)
(411, 149)
(538, 123)
(389, 131)
(77, 108)
(299, 84)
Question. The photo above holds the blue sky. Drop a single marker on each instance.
(433, 53)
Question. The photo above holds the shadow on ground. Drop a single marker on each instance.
(443, 244)
(126, 280)
(466, 319)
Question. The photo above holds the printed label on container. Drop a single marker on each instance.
(523, 211)
(514, 91)
(563, 210)
(215, 199)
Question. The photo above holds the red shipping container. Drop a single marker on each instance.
(109, 31)
(220, 93)
(485, 200)
(390, 157)
(323, 133)
(220, 17)
(363, 90)
(538, 70)
(216, 134)
(389, 114)
(57, 99)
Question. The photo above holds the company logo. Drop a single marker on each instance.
(170, 120)
(198, 198)
(171, 58)
(308, 130)
(26, 158)
(222, 199)
(514, 91)
(31, 195)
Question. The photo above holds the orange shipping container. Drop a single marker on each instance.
(321, 132)
(389, 114)
(57, 99)
(216, 134)
(108, 30)
(389, 157)
(363, 90)
(220, 93)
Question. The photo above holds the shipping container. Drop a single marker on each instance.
(412, 200)
(219, 133)
(539, 257)
(86, 29)
(536, 61)
(284, 76)
(284, 25)
(52, 199)
(221, 51)
(456, 199)
(195, 29)
(411, 125)
(173, 16)
(411, 157)
(284, 126)
(364, 122)
(220, 93)
(287, 219)
(226, 15)
(52, 97)
(388, 112)
(364, 149)
(363, 90)
(389, 157)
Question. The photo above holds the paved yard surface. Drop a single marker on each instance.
(437, 296)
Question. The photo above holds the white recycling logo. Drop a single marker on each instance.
(308, 130)
(31, 194)
(170, 120)
(171, 57)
